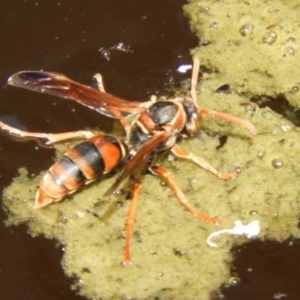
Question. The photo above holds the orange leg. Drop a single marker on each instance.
(195, 73)
(167, 176)
(130, 219)
(176, 150)
(98, 78)
(230, 118)
(125, 123)
(50, 138)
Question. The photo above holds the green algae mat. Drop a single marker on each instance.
(253, 47)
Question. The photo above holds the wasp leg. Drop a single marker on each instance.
(99, 81)
(230, 118)
(125, 123)
(130, 219)
(195, 73)
(51, 138)
(176, 150)
(167, 176)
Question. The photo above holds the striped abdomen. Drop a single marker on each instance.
(80, 165)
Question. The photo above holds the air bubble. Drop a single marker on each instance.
(277, 163)
(215, 25)
(260, 154)
(105, 53)
(269, 37)
(253, 213)
(234, 281)
(290, 51)
(206, 42)
(162, 183)
(246, 30)
(295, 89)
(291, 40)
(237, 170)
(251, 107)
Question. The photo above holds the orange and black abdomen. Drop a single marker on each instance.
(80, 165)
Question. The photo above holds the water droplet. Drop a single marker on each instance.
(253, 213)
(246, 30)
(277, 163)
(251, 108)
(291, 40)
(269, 37)
(286, 128)
(162, 183)
(206, 42)
(238, 170)
(260, 154)
(207, 10)
(290, 51)
(234, 281)
(215, 25)
(295, 89)
(105, 53)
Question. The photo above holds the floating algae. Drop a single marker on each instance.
(169, 250)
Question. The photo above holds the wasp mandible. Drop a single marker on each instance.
(158, 125)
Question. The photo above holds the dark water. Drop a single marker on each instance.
(267, 270)
(79, 39)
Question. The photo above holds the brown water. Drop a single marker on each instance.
(78, 38)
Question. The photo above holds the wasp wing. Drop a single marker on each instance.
(61, 86)
(140, 159)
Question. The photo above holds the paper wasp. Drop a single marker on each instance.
(158, 125)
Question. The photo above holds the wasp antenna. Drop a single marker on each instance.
(230, 118)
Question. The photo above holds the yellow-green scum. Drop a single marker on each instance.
(254, 46)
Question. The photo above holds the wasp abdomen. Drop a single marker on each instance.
(80, 165)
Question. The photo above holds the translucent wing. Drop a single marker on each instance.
(61, 86)
(140, 159)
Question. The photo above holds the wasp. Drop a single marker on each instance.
(158, 125)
